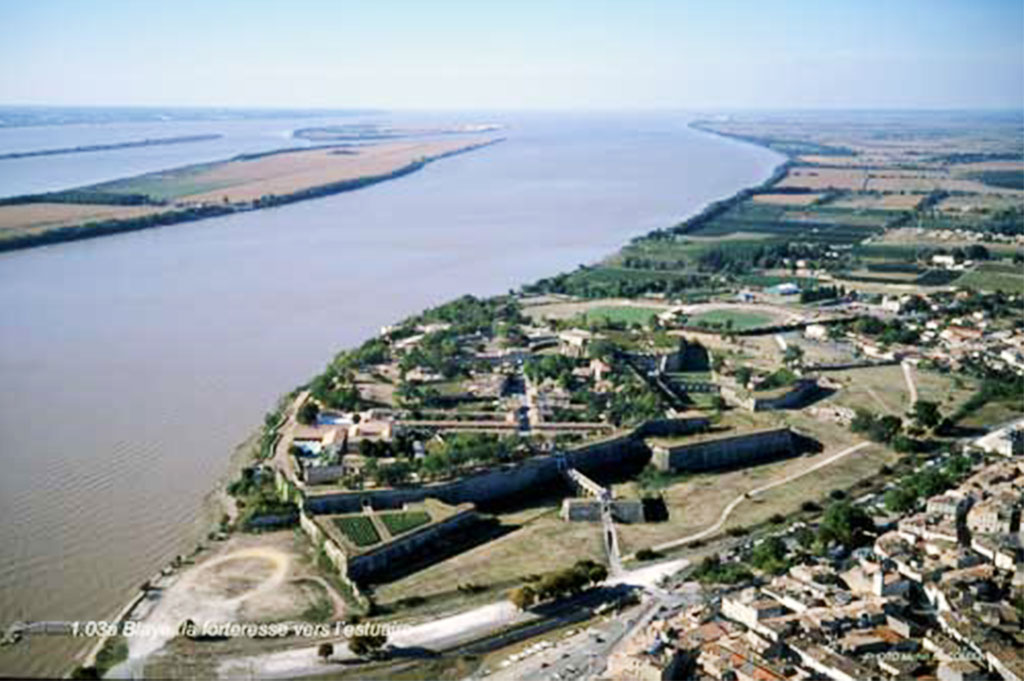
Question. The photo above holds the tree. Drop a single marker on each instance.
(523, 597)
(367, 645)
(870, 326)
(324, 651)
(770, 555)
(308, 413)
(927, 413)
(793, 355)
(844, 523)
(900, 499)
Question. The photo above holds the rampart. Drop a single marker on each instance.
(589, 510)
(360, 567)
(506, 481)
(725, 452)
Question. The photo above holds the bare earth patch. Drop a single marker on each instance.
(787, 199)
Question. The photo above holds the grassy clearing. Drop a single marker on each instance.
(543, 542)
(949, 391)
(992, 414)
(398, 523)
(879, 390)
(786, 499)
(739, 320)
(620, 315)
(697, 502)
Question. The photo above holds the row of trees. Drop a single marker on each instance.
(568, 582)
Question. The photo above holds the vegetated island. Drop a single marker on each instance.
(358, 132)
(195, 192)
(86, 148)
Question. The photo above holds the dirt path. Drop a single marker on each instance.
(881, 403)
(911, 386)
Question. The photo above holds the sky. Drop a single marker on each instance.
(522, 54)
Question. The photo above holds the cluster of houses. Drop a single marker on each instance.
(948, 335)
(934, 597)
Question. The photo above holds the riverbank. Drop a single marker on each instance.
(244, 183)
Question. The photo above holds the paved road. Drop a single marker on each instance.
(727, 511)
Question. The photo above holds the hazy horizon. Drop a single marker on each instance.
(453, 55)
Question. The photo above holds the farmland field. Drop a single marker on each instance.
(826, 178)
(358, 529)
(879, 201)
(18, 219)
(397, 523)
(787, 199)
(805, 223)
(247, 179)
(994, 277)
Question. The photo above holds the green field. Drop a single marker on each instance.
(740, 320)
(807, 223)
(166, 185)
(768, 280)
(358, 529)
(994, 277)
(621, 314)
(397, 523)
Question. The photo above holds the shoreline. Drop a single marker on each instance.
(173, 216)
(216, 500)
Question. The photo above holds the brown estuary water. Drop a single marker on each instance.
(133, 365)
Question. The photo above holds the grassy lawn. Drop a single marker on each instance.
(697, 501)
(397, 523)
(620, 315)
(166, 185)
(542, 542)
(358, 529)
(879, 390)
(741, 320)
(786, 499)
(946, 390)
(992, 414)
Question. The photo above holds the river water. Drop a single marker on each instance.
(132, 365)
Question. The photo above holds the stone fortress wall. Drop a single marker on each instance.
(729, 451)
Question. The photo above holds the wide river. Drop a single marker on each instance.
(133, 365)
